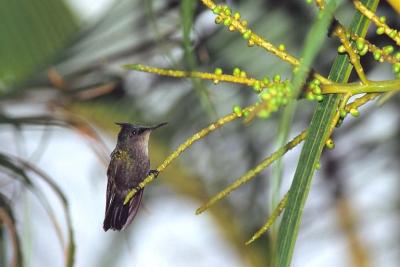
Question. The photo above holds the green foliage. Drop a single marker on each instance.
(310, 155)
(190, 62)
(313, 43)
(32, 34)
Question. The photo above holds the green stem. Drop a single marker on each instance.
(357, 88)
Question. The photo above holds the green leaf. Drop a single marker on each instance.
(187, 14)
(32, 33)
(312, 149)
(312, 45)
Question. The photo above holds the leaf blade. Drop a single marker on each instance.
(312, 149)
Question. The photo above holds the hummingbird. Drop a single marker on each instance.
(129, 165)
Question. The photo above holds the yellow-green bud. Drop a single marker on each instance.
(317, 90)
(354, 112)
(360, 44)
(218, 71)
(277, 78)
(317, 166)
(216, 10)
(227, 11)
(247, 34)
(364, 51)
(265, 96)
(237, 110)
(396, 67)
(392, 34)
(316, 81)
(380, 30)
(377, 55)
(257, 86)
(310, 96)
(263, 114)
(227, 21)
(388, 49)
(330, 144)
(341, 49)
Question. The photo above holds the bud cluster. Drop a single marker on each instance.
(273, 95)
(314, 91)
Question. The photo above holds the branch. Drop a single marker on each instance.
(189, 142)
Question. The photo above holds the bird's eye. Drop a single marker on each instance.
(134, 132)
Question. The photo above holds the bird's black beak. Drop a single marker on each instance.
(122, 124)
(158, 126)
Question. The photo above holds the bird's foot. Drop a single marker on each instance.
(154, 172)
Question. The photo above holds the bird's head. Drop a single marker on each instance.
(131, 134)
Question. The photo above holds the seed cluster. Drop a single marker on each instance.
(392, 33)
(224, 16)
(276, 95)
(273, 94)
(314, 91)
(386, 53)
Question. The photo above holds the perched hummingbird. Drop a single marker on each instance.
(129, 165)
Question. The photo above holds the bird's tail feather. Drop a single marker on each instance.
(119, 216)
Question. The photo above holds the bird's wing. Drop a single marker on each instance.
(115, 169)
(120, 180)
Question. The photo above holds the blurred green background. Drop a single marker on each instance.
(62, 88)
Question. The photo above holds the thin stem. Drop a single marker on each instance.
(356, 88)
(340, 32)
(282, 204)
(275, 214)
(330, 88)
(362, 100)
(392, 33)
(255, 39)
(195, 74)
(371, 47)
(253, 172)
(374, 49)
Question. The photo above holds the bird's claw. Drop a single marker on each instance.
(154, 172)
